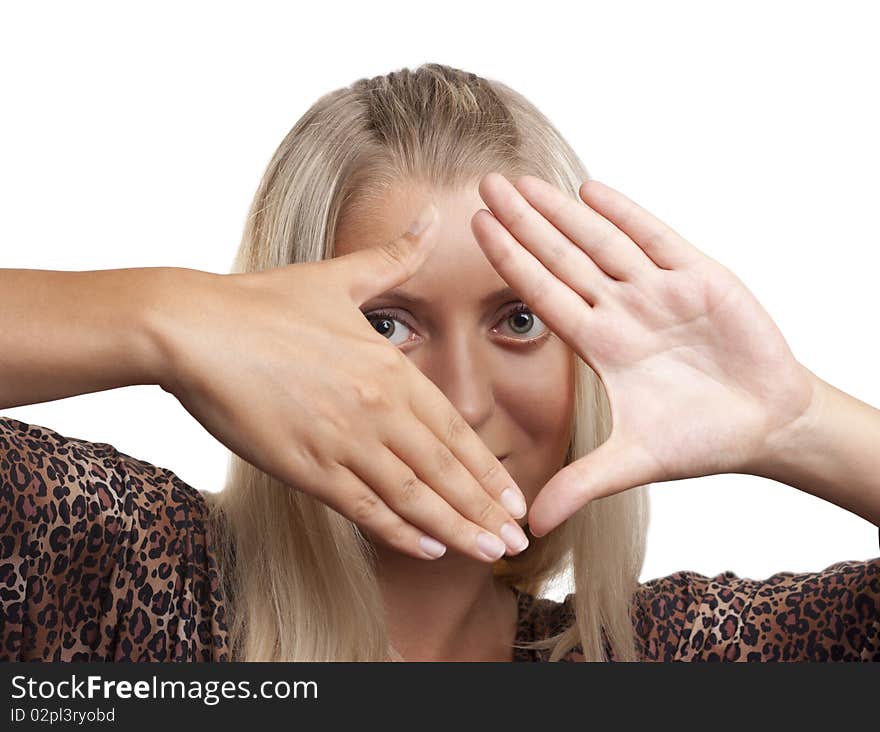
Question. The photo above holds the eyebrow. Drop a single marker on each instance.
(399, 294)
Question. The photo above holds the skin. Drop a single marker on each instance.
(652, 315)
(699, 379)
(511, 379)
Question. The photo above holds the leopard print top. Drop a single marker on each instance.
(104, 557)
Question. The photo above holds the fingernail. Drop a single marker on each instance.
(432, 547)
(425, 217)
(513, 502)
(490, 545)
(514, 537)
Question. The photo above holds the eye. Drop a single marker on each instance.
(522, 321)
(387, 324)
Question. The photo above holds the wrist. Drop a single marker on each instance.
(786, 446)
(830, 452)
(158, 313)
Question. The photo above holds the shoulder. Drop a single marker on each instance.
(675, 615)
(830, 614)
(125, 541)
(662, 609)
(53, 473)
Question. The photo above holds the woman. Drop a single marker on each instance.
(375, 498)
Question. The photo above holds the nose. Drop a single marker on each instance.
(458, 366)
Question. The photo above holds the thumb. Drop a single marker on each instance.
(611, 468)
(377, 269)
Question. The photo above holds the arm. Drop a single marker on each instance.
(69, 333)
(248, 355)
(831, 451)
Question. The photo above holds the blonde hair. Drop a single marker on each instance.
(299, 578)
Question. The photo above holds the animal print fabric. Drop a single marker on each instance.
(105, 557)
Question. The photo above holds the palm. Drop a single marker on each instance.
(698, 376)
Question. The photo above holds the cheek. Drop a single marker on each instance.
(539, 398)
(542, 390)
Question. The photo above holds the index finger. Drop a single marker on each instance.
(562, 308)
(432, 407)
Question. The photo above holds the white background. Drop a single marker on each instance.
(136, 136)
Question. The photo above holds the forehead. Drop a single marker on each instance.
(456, 265)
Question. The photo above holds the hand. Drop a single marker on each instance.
(698, 377)
(282, 367)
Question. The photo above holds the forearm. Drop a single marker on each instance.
(832, 451)
(68, 333)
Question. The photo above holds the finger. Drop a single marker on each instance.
(366, 509)
(610, 468)
(415, 502)
(374, 270)
(552, 247)
(565, 311)
(431, 406)
(605, 244)
(438, 467)
(666, 248)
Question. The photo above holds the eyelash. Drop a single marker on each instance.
(519, 308)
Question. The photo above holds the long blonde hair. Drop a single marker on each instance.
(299, 578)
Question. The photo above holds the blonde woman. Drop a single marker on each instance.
(401, 374)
